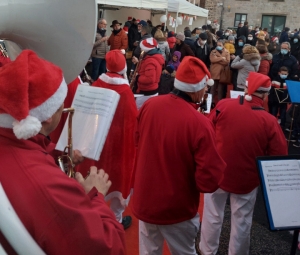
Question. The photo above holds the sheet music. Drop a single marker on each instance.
(282, 184)
(236, 94)
(208, 102)
(94, 111)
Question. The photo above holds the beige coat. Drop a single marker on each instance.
(100, 48)
(218, 62)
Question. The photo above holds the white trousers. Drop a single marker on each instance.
(242, 206)
(142, 99)
(180, 237)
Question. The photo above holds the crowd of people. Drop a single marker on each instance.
(160, 151)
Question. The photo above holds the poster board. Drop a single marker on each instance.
(280, 183)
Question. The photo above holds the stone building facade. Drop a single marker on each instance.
(273, 14)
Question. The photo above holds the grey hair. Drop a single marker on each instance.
(100, 20)
(288, 44)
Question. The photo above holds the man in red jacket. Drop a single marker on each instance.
(176, 160)
(149, 71)
(63, 215)
(118, 153)
(244, 131)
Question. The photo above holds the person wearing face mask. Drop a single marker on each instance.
(202, 49)
(273, 101)
(219, 58)
(284, 58)
(250, 40)
(295, 47)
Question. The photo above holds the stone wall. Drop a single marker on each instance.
(254, 9)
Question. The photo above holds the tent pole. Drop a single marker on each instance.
(176, 22)
(165, 27)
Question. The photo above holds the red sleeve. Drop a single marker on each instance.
(277, 143)
(264, 67)
(84, 222)
(209, 164)
(124, 42)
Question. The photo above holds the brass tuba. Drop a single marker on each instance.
(61, 31)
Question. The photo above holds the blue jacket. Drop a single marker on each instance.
(284, 37)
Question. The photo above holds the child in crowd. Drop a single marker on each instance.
(229, 45)
(278, 97)
(175, 61)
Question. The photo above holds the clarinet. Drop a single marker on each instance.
(133, 79)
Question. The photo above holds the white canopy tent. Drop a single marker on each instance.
(140, 4)
(185, 7)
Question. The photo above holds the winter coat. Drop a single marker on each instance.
(133, 36)
(280, 60)
(166, 84)
(265, 63)
(100, 48)
(202, 53)
(150, 71)
(211, 39)
(218, 63)
(175, 64)
(273, 48)
(164, 47)
(284, 37)
(239, 49)
(295, 49)
(249, 63)
(118, 41)
(184, 49)
(243, 31)
(230, 47)
(190, 42)
(171, 42)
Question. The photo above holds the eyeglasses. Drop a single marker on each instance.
(105, 24)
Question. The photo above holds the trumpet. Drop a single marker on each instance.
(66, 160)
(3, 51)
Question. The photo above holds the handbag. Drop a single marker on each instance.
(225, 75)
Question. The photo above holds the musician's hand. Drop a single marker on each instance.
(77, 157)
(97, 178)
(135, 60)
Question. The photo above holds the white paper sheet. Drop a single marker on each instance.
(282, 180)
(208, 102)
(236, 94)
(94, 111)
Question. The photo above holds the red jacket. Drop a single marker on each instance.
(150, 72)
(176, 159)
(54, 208)
(118, 41)
(118, 153)
(242, 134)
(265, 63)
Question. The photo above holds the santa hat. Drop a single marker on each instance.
(129, 18)
(31, 91)
(125, 29)
(148, 44)
(257, 82)
(274, 38)
(116, 62)
(192, 75)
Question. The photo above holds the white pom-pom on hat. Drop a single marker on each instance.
(123, 51)
(27, 128)
(248, 97)
(210, 82)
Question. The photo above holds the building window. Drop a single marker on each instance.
(239, 17)
(275, 24)
(276, 0)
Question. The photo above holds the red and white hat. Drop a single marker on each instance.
(31, 91)
(129, 18)
(274, 38)
(257, 82)
(116, 62)
(125, 29)
(148, 44)
(192, 75)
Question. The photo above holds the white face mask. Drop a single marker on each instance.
(250, 38)
(203, 42)
(226, 34)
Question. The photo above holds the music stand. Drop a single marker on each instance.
(294, 93)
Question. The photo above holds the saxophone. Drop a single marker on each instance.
(133, 79)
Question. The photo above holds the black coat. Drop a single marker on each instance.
(295, 49)
(133, 36)
(190, 42)
(202, 53)
(243, 31)
(288, 61)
